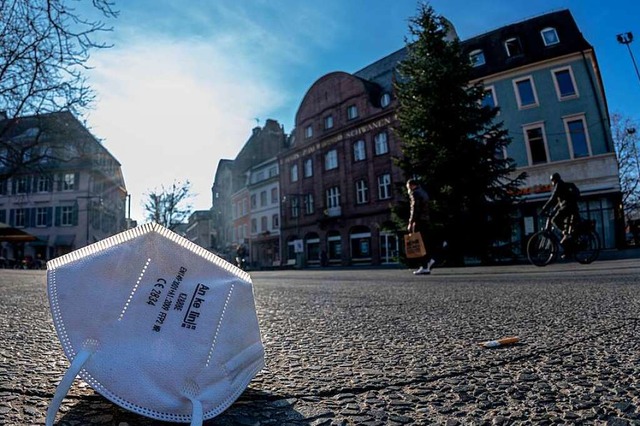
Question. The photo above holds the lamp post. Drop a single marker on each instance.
(626, 39)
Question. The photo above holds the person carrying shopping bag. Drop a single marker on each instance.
(419, 222)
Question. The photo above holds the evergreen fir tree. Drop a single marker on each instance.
(452, 143)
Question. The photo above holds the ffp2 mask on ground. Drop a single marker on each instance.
(156, 324)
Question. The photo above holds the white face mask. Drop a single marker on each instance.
(156, 324)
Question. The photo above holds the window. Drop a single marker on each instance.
(309, 205)
(536, 146)
(489, 99)
(42, 216)
(477, 58)
(385, 100)
(308, 167)
(263, 224)
(254, 201)
(328, 122)
(69, 182)
(359, 151)
(254, 226)
(500, 153)
(257, 176)
(274, 195)
(275, 221)
(308, 132)
(577, 136)
(20, 218)
(549, 36)
(294, 173)
(384, 186)
(525, 93)
(295, 207)
(22, 185)
(331, 160)
(565, 84)
(43, 184)
(263, 198)
(513, 47)
(362, 191)
(352, 112)
(66, 216)
(333, 197)
(381, 143)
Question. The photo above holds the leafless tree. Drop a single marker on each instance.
(626, 138)
(169, 206)
(44, 52)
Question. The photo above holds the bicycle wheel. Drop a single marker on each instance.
(542, 249)
(587, 247)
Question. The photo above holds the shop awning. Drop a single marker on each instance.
(14, 235)
(64, 240)
(41, 240)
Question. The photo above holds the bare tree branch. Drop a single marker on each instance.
(169, 206)
(44, 49)
(626, 139)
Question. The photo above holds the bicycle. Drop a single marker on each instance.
(544, 246)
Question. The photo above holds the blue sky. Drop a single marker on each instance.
(186, 82)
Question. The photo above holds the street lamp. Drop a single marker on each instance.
(626, 39)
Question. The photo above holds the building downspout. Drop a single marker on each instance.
(604, 118)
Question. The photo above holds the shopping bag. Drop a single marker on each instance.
(414, 246)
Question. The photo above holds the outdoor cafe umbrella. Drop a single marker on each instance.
(14, 235)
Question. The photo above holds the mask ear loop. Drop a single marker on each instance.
(191, 390)
(89, 347)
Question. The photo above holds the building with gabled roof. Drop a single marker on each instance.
(67, 189)
(339, 179)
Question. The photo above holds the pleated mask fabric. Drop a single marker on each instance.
(156, 324)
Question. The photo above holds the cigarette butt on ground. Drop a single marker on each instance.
(500, 342)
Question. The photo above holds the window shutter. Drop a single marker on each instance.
(3, 216)
(57, 216)
(74, 219)
(49, 216)
(12, 217)
(76, 181)
(31, 217)
(59, 178)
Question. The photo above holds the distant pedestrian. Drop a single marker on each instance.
(419, 222)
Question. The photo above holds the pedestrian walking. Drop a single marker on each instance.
(419, 222)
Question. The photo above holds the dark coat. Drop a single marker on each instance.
(419, 205)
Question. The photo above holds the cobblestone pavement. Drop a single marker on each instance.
(384, 347)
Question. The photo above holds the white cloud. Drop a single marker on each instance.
(170, 110)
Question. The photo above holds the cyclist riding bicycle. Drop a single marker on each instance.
(565, 197)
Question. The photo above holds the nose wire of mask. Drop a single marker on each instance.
(89, 347)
